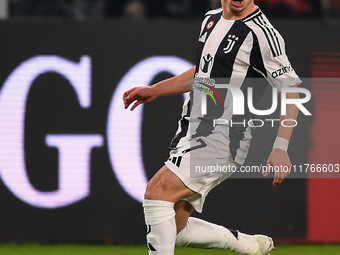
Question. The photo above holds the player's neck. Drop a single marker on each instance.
(230, 14)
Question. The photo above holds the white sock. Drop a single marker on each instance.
(161, 227)
(202, 234)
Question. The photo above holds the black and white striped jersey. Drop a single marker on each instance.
(233, 52)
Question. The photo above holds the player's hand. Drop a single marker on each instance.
(138, 94)
(280, 164)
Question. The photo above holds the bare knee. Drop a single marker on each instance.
(156, 188)
(165, 185)
(151, 191)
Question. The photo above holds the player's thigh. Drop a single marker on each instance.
(166, 186)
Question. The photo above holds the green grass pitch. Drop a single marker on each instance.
(69, 249)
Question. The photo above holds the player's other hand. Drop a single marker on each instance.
(279, 163)
(138, 95)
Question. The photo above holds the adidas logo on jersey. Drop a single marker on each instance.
(232, 39)
(176, 160)
(203, 37)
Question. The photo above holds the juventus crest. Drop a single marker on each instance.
(232, 39)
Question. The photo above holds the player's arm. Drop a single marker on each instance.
(279, 156)
(175, 85)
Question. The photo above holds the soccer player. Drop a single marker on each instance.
(236, 42)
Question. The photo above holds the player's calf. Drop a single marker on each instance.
(202, 234)
(161, 226)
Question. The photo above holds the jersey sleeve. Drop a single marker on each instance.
(280, 72)
(275, 65)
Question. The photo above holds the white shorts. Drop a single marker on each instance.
(201, 164)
